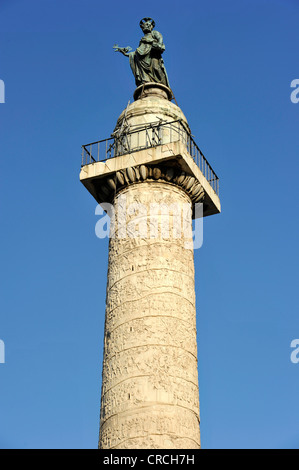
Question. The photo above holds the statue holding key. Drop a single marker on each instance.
(146, 62)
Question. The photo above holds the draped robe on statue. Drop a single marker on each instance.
(146, 62)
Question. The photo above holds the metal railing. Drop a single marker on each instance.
(146, 136)
(203, 164)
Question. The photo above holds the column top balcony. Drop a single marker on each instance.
(151, 141)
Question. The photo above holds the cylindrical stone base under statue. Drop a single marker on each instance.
(150, 397)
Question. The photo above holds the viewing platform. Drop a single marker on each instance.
(111, 163)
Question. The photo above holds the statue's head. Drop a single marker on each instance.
(147, 25)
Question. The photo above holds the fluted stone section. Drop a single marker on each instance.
(150, 397)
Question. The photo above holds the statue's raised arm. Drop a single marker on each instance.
(146, 62)
(123, 50)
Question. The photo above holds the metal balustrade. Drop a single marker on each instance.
(146, 136)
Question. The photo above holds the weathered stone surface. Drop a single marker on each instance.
(150, 380)
(165, 162)
(152, 427)
(150, 109)
(150, 393)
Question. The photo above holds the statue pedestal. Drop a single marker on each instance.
(152, 89)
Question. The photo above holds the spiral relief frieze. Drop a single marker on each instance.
(150, 396)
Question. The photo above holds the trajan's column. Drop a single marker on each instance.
(156, 179)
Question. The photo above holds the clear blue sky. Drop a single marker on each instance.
(230, 65)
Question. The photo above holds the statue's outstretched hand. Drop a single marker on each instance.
(123, 50)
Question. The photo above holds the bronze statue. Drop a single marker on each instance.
(146, 62)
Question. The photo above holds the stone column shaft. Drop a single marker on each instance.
(150, 395)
